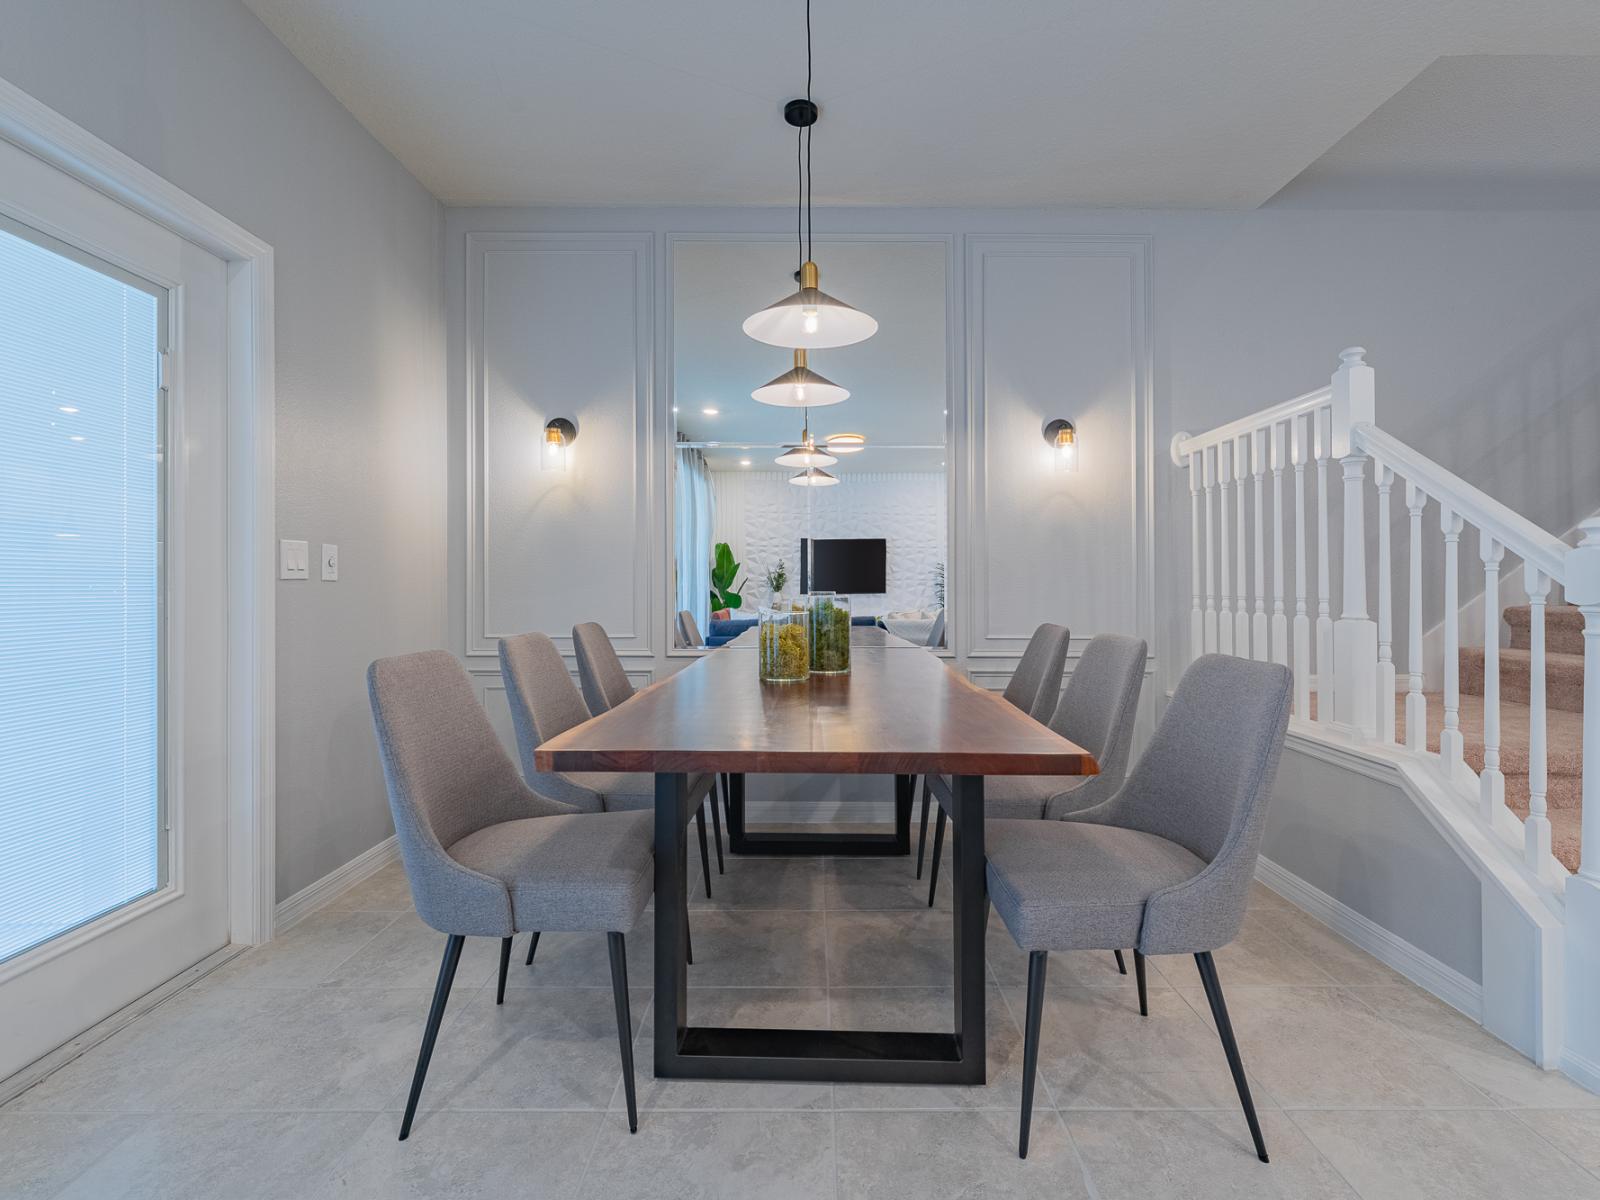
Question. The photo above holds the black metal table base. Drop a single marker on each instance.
(685, 1051)
(743, 840)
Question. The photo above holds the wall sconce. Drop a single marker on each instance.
(1062, 438)
(559, 434)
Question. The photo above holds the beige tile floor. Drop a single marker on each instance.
(282, 1073)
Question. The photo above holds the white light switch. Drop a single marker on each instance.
(294, 560)
(330, 561)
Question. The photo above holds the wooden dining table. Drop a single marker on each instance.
(899, 711)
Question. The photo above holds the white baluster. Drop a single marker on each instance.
(1536, 829)
(1324, 581)
(1416, 702)
(1208, 464)
(1196, 617)
(1583, 589)
(1385, 698)
(1241, 613)
(1355, 634)
(1259, 647)
(1491, 781)
(1300, 451)
(1450, 741)
(1225, 607)
(1280, 619)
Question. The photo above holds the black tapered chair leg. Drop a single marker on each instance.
(705, 854)
(533, 944)
(1122, 967)
(716, 830)
(441, 994)
(938, 845)
(1030, 1044)
(727, 797)
(619, 991)
(922, 838)
(688, 941)
(1219, 1013)
(505, 963)
(1138, 974)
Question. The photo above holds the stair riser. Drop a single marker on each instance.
(1556, 641)
(1563, 681)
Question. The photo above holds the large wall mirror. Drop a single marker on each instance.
(881, 533)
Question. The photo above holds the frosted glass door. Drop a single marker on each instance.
(81, 491)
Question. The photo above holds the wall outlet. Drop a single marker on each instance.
(330, 561)
(294, 560)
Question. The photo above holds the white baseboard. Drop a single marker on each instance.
(312, 897)
(1393, 951)
(1583, 1070)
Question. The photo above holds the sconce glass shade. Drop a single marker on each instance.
(813, 477)
(559, 434)
(805, 456)
(844, 443)
(1062, 438)
(800, 388)
(810, 319)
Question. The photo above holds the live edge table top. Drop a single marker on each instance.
(895, 712)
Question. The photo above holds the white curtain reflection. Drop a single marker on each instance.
(695, 510)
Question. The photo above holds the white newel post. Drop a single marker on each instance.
(1416, 702)
(1582, 1048)
(1258, 620)
(1324, 580)
(1536, 829)
(1241, 614)
(1385, 697)
(1280, 618)
(1450, 741)
(1209, 466)
(1225, 475)
(1491, 782)
(1299, 452)
(1197, 628)
(1355, 634)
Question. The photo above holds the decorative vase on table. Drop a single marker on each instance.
(829, 615)
(783, 654)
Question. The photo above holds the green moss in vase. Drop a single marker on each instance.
(830, 638)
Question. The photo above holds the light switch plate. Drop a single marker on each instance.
(294, 560)
(330, 561)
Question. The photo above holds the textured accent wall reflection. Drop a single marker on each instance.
(763, 519)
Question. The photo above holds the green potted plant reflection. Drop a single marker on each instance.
(777, 580)
(725, 592)
(830, 633)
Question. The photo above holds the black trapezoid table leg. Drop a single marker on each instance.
(744, 840)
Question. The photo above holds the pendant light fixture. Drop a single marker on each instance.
(809, 319)
(805, 452)
(800, 388)
(813, 477)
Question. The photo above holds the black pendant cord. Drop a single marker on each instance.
(799, 201)
(809, 246)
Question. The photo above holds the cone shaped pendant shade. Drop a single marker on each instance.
(800, 388)
(813, 477)
(810, 319)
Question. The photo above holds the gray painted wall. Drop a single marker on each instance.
(201, 93)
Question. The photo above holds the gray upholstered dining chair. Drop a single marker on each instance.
(485, 855)
(544, 702)
(1165, 864)
(689, 630)
(606, 685)
(1098, 711)
(1034, 687)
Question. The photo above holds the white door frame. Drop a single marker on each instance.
(252, 713)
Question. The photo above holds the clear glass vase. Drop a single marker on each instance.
(783, 654)
(829, 620)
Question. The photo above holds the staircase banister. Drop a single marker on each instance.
(1544, 551)
(1185, 444)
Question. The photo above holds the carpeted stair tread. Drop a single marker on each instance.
(1563, 628)
(1563, 676)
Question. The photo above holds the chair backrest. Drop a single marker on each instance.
(936, 634)
(605, 683)
(689, 629)
(1098, 712)
(1204, 783)
(544, 702)
(447, 776)
(1036, 685)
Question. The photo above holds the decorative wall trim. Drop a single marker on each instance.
(1427, 972)
(313, 896)
(636, 642)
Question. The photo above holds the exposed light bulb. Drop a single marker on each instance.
(800, 393)
(810, 316)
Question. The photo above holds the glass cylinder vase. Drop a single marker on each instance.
(783, 653)
(830, 633)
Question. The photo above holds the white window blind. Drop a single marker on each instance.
(81, 481)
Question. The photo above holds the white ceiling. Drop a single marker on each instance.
(1165, 103)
